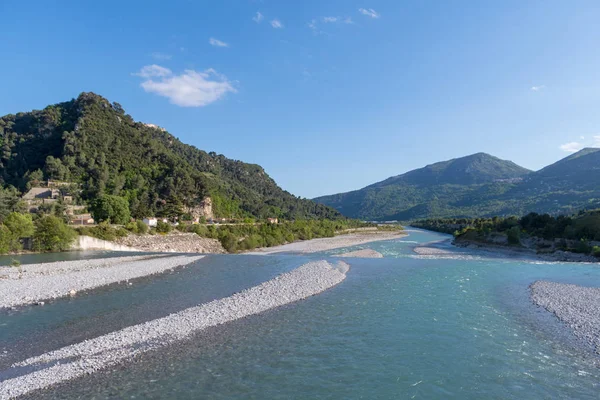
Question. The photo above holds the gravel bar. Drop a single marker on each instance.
(92, 355)
(66, 278)
(576, 306)
(62, 267)
(332, 243)
(365, 253)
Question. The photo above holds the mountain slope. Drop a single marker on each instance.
(477, 186)
(438, 189)
(474, 169)
(95, 143)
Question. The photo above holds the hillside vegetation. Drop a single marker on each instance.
(577, 233)
(479, 185)
(94, 143)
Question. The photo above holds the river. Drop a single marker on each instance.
(404, 326)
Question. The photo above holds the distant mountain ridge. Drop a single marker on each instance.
(94, 143)
(476, 186)
(474, 169)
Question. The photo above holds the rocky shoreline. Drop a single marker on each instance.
(558, 255)
(120, 346)
(174, 242)
(332, 243)
(576, 306)
(37, 283)
(365, 253)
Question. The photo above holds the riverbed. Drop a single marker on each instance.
(457, 324)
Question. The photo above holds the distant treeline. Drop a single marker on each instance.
(236, 238)
(583, 228)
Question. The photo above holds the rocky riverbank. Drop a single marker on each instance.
(105, 351)
(515, 251)
(174, 242)
(36, 283)
(365, 253)
(576, 306)
(324, 244)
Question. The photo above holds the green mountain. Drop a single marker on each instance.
(94, 143)
(479, 185)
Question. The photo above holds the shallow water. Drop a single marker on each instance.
(405, 326)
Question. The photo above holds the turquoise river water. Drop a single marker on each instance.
(402, 327)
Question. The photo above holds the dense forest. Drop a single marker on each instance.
(96, 145)
(577, 233)
(478, 185)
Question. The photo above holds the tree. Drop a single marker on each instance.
(110, 208)
(52, 234)
(5, 239)
(34, 178)
(514, 235)
(20, 226)
(9, 201)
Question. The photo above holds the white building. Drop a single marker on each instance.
(152, 222)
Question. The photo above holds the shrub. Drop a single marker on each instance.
(132, 227)
(163, 227)
(514, 235)
(583, 247)
(52, 234)
(596, 251)
(142, 228)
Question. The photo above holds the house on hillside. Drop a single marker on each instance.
(272, 220)
(37, 196)
(150, 221)
(82, 219)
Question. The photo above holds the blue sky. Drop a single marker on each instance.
(328, 96)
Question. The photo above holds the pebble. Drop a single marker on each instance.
(120, 346)
(54, 280)
(576, 306)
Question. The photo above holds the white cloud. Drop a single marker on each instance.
(538, 88)
(217, 43)
(276, 24)
(341, 20)
(258, 17)
(189, 89)
(313, 26)
(369, 12)
(314, 23)
(153, 70)
(161, 56)
(571, 147)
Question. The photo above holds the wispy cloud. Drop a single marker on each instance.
(538, 88)
(258, 17)
(314, 27)
(573, 147)
(188, 89)
(314, 23)
(161, 56)
(369, 12)
(217, 43)
(153, 70)
(275, 23)
(340, 20)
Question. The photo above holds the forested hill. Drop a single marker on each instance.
(93, 142)
(479, 185)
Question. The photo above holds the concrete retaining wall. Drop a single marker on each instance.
(90, 243)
